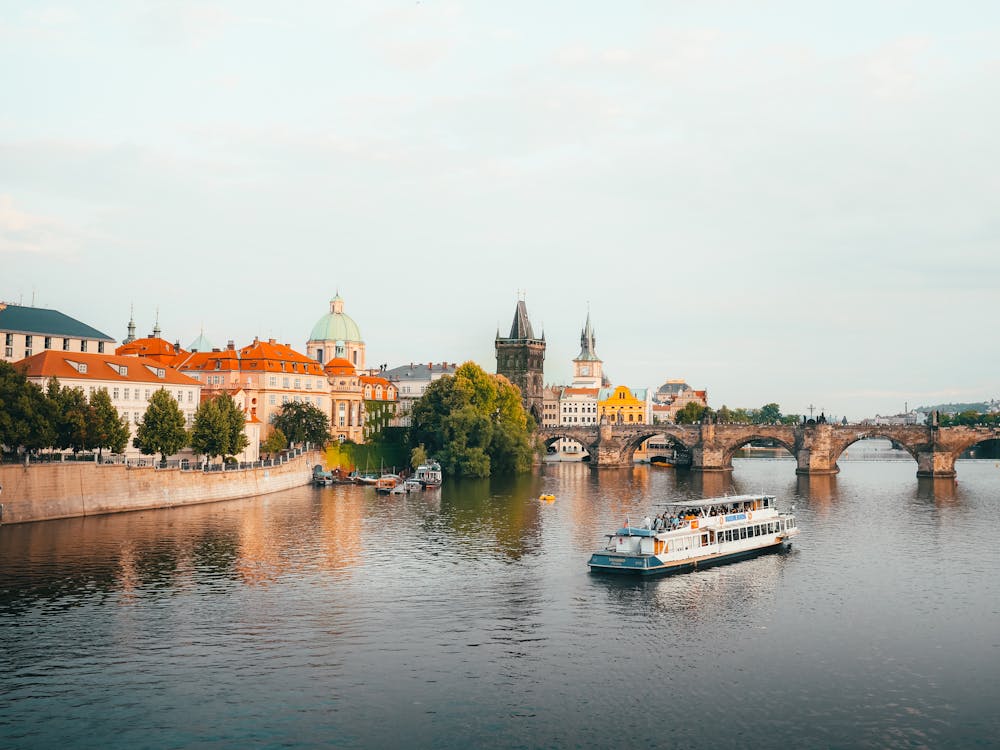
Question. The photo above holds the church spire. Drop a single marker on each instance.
(131, 325)
(156, 326)
(588, 341)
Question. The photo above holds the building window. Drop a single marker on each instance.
(128, 394)
(284, 382)
(190, 397)
(180, 396)
(83, 345)
(48, 342)
(114, 394)
(272, 380)
(8, 352)
(65, 345)
(284, 399)
(100, 347)
(147, 394)
(271, 400)
(9, 339)
(27, 341)
(27, 352)
(298, 384)
(81, 368)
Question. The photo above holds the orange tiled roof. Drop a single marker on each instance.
(154, 348)
(269, 356)
(387, 387)
(105, 367)
(225, 360)
(580, 391)
(339, 366)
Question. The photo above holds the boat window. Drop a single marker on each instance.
(704, 539)
(743, 532)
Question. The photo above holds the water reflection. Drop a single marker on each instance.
(937, 489)
(472, 612)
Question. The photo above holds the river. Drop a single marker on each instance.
(465, 617)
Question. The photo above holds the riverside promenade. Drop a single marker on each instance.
(44, 491)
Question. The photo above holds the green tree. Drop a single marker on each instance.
(26, 412)
(218, 428)
(161, 429)
(75, 421)
(109, 428)
(740, 416)
(302, 423)
(474, 424)
(418, 456)
(768, 414)
(724, 415)
(690, 413)
(275, 443)
(234, 423)
(208, 432)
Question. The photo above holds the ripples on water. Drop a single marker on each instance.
(466, 616)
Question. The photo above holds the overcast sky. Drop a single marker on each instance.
(777, 201)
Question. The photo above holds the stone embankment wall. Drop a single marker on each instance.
(45, 491)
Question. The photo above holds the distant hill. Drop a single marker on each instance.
(981, 407)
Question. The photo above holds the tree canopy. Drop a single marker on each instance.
(275, 443)
(690, 413)
(109, 429)
(161, 429)
(218, 427)
(302, 423)
(26, 413)
(474, 424)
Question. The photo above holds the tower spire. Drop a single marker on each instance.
(156, 326)
(131, 325)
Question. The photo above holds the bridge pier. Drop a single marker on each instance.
(709, 456)
(935, 464)
(815, 454)
(608, 452)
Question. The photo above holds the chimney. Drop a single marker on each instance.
(270, 341)
(231, 346)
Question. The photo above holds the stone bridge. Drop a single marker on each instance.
(816, 448)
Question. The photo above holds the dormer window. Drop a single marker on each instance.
(81, 367)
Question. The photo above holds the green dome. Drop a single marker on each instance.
(335, 325)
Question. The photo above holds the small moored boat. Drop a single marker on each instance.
(387, 483)
(429, 474)
(697, 534)
(320, 477)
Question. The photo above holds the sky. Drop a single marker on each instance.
(792, 202)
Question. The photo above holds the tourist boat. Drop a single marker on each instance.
(429, 474)
(387, 483)
(697, 534)
(413, 485)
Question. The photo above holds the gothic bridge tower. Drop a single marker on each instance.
(520, 358)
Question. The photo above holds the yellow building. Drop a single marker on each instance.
(623, 405)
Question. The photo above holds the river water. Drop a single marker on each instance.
(465, 617)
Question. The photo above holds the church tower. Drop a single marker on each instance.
(520, 358)
(587, 366)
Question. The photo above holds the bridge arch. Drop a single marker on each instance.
(633, 441)
(838, 446)
(733, 445)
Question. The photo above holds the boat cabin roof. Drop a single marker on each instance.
(713, 501)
